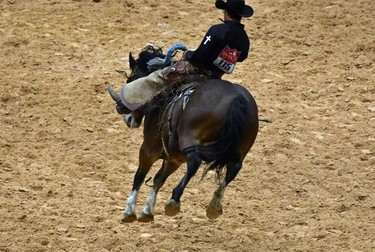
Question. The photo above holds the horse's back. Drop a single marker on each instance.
(216, 95)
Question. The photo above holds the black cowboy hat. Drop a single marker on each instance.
(237, 6)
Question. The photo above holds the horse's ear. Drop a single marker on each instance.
(132, 62)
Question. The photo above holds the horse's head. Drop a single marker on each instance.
(139, 66)
(139, 69)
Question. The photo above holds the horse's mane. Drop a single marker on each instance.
(148, 53)
(145, 56)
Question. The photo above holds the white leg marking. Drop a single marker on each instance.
(215, 209)
(219, 194)
(131, 203)
(149, 208)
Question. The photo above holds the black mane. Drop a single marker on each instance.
(147, 54)
(160, 100)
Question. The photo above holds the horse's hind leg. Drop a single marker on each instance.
(167, 169)
(145, 164)
(193, 163)
(215, 209)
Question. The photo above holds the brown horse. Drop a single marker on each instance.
(213, 121)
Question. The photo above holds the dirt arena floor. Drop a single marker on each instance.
(67, 159)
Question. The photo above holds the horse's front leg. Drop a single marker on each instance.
(148, 212)
(215, 209)
(167, 169)
(129, 213)
(145, 163)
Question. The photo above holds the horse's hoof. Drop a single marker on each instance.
(172, 208)
(129, 218)
(214, 211)
(146, 218)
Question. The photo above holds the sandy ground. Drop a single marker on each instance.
(67, 160)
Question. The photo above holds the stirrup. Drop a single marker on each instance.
(131, 122)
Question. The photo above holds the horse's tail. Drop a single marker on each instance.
(227, 148)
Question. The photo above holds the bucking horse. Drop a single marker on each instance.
(209, 121)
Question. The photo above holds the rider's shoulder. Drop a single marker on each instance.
(219, 28)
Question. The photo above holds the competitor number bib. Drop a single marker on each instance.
(227, 60)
